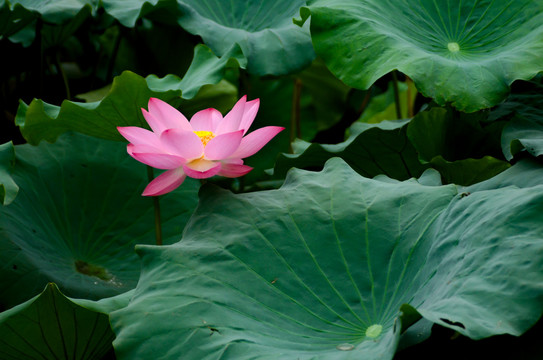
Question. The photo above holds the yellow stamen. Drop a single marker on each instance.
(205, 136)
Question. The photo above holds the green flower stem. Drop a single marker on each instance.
(410, 102)
(39, 46)
(295, 112)
(156, 205)
(244, 86)
(63, 74)
(365, 102)
(396, 95)
(114, 52)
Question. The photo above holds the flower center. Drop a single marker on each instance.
(205, 136)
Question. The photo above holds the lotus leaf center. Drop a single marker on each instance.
(374, 330)
(205, 136)
(453, 47)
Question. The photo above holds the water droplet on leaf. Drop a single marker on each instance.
(345, 347)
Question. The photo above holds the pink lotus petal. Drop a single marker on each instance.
(222, 146)
(234, 170)
(182, 143)
(232, 161)
(139, 136)
(232, 120)
(159, 161)
(153, 122)
(165, 182)
(141, 148)
(253, 142)
(206, 120)
(202, 169)
(167, 116)
(251, 108)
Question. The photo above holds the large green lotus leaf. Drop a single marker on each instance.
(483, 268)
(58, 20)
(263, 29)
(129, 11)
(457, 144)
(51, 326)
(121, 106)
(465, 53)
(525, 100)
(106, 305)
(416, 334)
(57, 35)
(55, 12)
(222, 96)
(155, 47)
(8, 187)
(326, 262)
(446, 344)
(206, 68)
(77, 216)
(14, 18)
(523, 134)
(372, 149)
(524, 131)
(525, 173)
(20, 13)
(468, 171)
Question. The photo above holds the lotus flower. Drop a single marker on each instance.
(208, 145)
